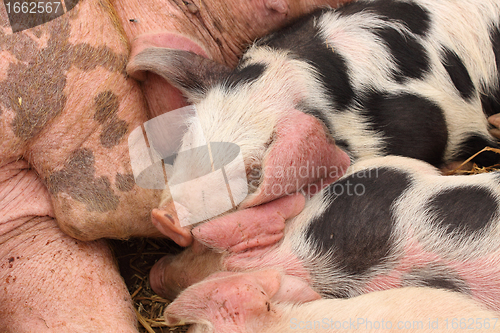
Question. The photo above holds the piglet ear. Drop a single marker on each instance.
(187, 71)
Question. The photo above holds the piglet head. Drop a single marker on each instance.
(253, 126)
(236, 302)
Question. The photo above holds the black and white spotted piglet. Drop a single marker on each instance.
(391, 222)
(416, 78)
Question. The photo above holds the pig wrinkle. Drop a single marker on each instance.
(22, 194)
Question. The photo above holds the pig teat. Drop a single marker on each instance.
(166, 220)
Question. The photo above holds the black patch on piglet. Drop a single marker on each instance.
(491, 103)
(78, 180)
(462, 211)
(245, 75)
(458, 73)
(404, 120)
(410, 56)
(357, 225)
(113, 133)
(415, 17)
(435, 275)
(304, 42)
(106, 104)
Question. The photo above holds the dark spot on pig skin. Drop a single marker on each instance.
(474, 144)
(305, 43)
(11, 260)
(390, 114)
(435, 275)
(415, 17)
(458, 73)
(34, 87)
(245, 75)
(124, 183)
(491, 101)
(77, 179)
(99, 56)
(106, 104)
(114, 129)
(410, 56)
(357, 225)
(495, 41)
(342, 144)
(462, 211)
(113, 133)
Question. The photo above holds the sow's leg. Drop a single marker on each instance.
(65, 109)
(50, 282)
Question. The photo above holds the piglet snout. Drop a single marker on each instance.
(157, 277)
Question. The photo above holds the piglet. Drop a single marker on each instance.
(263, 302)
(373, 78)
(390, 222)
